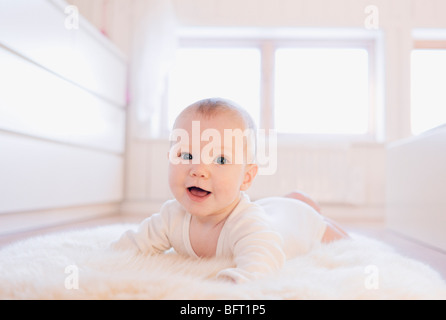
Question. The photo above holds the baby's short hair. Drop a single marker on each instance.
(213, 106)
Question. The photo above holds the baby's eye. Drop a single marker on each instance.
(221, 160)
(186, 156)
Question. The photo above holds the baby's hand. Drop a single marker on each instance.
(226, 279)
(234, 275)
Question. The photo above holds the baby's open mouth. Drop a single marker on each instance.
(198, 192)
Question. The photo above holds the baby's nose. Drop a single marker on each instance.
(199, 171)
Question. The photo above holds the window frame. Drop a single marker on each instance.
(267, 45)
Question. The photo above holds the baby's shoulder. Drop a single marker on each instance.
(251, 224)
(249, 214)
(171, 205)
(172, 210)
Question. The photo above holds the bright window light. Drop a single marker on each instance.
(428, 94)
(231, 73)
(321, 91)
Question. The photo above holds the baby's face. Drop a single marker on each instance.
(206, 177)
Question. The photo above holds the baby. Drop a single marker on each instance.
(211, 214)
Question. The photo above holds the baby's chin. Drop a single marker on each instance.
(211, 206)
(193, 207)
(202, 210)
(199, 212)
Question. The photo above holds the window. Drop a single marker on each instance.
(232, 73)
(321, 90)
(428, 95)
(317, 86)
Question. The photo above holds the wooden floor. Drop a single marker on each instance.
(431, 256)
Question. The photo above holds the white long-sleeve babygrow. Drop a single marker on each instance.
(258, 236)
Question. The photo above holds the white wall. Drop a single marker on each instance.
(113, 18)
(62, 118)
(416, 187)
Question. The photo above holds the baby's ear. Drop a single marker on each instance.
(250, 174)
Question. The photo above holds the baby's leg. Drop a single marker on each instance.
(333, 231)
(304, 198)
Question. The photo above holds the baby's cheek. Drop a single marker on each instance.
(229, 183)
(175, 175)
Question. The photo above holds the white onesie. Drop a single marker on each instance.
(259, 236)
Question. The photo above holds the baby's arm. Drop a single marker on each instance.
(150, 237)
(258, 251)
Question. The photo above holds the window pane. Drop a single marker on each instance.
(321, 90)
(231, 73)
(428, 94)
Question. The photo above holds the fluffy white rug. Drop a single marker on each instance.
(79, 265)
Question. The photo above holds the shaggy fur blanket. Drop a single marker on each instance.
(79, 265)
